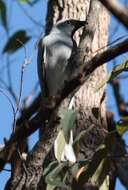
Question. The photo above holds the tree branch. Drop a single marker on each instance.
(120, 12)
(89, 66)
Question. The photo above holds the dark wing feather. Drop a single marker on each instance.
(72, 62)
(41, 69)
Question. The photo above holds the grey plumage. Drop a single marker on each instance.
(54, 52)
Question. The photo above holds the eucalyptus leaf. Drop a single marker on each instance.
(67, 122)
(64, 151)
(50, 187)
(59, 145)
(122, 125)
(99, 155)
(57, 170)
(29, 2)
(56, 182)
(101, 173)
(105, 185)
(114, 73)
(50, 167)
(55, 177)
(23, 1)
(75, 167)
(76, 143)
(16, 41)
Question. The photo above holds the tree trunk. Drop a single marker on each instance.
(87, 100)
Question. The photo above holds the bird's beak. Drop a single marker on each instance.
(78, 24)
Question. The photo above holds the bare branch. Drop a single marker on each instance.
(106, 56)
(120, 12)
(94, 63)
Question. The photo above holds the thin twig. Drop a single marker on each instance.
(26, 62)
(29, 16)
(9, 90)
(108, 45)
(8, 98)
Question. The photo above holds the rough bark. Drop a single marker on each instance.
(94, 37)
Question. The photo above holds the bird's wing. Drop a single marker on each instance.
(74, 49)
(41, 69)
(72, 60)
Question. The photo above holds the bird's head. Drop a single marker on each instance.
(68, 27)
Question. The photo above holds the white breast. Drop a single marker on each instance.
(57, 51)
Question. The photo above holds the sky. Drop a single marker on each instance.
(17, 20)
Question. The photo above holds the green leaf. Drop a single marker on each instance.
(55, 177)
(50, 187)
(30, 2)
(50, 167)
(67, 121)
(76, 144)
(57, 170)
(3, 13)
(63, 143)
(101, 173)
(114, 73)
(64, 151)
(75, 167)
(16, 41)
(122, 125)
(59, 145)
(99, 155)
(105, 185)
(23, 1)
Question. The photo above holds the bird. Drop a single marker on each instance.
(54, 52)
